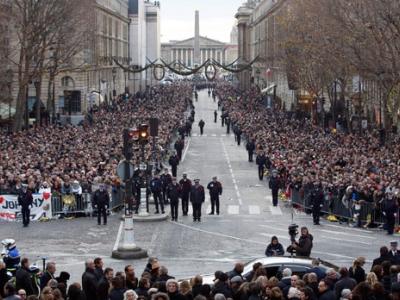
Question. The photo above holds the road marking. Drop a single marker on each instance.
(213, 134)
(204, 135)
(195, 134)
(354, 229)
(186, 150)
(240, 200)
(233, 209)
(254, 210)
(345, 233)
(276, 211)
(118, 235)
(223, 134)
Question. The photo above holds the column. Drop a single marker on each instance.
(172, 55)
(201, 56)
(187, 56)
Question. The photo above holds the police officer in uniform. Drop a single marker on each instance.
(274, 184)
(101, 201)
(261, 161)
(174, 193)
(197, 198)
(25, 200)
(215, 188)
(174, 162)
(250, 147)
(186, 185)
(166, 180)
(215, 116)
(317, 201)
(201, 125)
(238, 135)
(228, 125)
(156, 189)
(179, 145)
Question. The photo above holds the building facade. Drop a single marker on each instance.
(258, 29)
(145, 44)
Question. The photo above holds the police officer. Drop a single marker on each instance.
(228, 125)
(166, 180)
(174, 162)
(25, 200)
(274, 184)
(101, 201)
(174, 193)
(156, 189)
(215, 116)
(215, 189)
(188, 127)
(390, 208)
(250, 147)
(238, 135)
(317, 201)
(201, 125)
(186, 185)
(197, 198)
(261, 161)
(179, 145)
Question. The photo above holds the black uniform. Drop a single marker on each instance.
(317, 201)
(166, 180)
(156, 189)
(274, 184)
(25, 200)
(390, 209)
(261, 161)
(215, 189)
(188, 127)
(238, 135)
(174, 162)
(174, 193)
(179, 145)
(250, 147)
(201, 125)
(186, 185)
(215, 116)
(197, 198)
(182, 131)
(101, 201)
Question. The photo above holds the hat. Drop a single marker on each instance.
(171, 280)
(236, 279)
(197, 180)
(217, 274)
(345, 293)
(393, 243)
(184, 174)
(215, 177)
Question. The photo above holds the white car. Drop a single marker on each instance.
(276, 264)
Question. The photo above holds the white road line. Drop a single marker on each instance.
(276, 211)
(346, 233)
(195, 134)
(204, 134)
(254, 210)
(186, 150)
(233, 209)
(121, 226)
(213, 134)
(238, 194)
(240, 200)
(354, 229)
(223, 134)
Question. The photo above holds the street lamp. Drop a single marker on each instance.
(114, 75)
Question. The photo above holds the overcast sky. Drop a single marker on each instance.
(216, 18)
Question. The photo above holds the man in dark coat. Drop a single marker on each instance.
(263, 162)
(250, 147)
(215, 116)
(48, 274)
(101, 201)
(304, 245)
(156, 188)
(98, 268)
(23, 278)
(345, 282)
(174, 193)
(384, 256)
(166, 180)
(104, 284)
(215, 189)
(179, 145)
(197, 198)
(25, 200)
(394, 253)
(131, 281)
(390, 209)
(274, 185)
(188, 127)
(324, 292)
(4, 278)
(228, 125)
(201, 125)
(317, 201)
(174, 162)
(186, 185)
(89, 281)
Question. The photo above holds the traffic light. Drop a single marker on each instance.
(130, 135)
(143, 133)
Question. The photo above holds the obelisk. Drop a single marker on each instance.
(196, 58)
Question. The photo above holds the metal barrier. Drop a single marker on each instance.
(367, 214)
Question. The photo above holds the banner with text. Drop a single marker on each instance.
(11, 211)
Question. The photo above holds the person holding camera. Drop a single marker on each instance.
(303, 246)
(274, 248)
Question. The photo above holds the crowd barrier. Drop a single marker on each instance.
(365, 214)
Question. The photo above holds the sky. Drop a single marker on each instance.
(217, 18)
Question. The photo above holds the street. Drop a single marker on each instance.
(241, 231)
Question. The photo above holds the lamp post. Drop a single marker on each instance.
(114, 75)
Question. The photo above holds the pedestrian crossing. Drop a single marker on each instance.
(211, 135)
(235, 210)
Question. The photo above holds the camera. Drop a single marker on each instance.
(293, 232)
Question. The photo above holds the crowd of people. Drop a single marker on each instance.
(348, 166)
(319, 282)
(58, 156)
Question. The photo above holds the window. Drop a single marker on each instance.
(67, 82)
